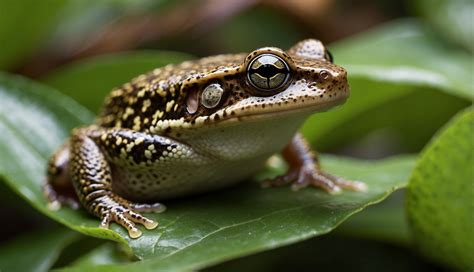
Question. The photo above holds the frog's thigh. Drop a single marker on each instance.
(91, 176)
(140, 149)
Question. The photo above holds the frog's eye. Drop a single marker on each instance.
(211, 95)
(268, 72)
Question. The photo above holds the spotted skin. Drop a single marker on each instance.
(157, 138)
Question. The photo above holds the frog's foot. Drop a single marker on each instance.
(310, 175)
(126, 215)
(304, 170)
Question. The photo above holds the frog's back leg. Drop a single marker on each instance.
(91, 177)
(58, 187)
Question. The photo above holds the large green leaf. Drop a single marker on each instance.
(452, 17)
(36, 251)
(89, 81)
(225, 226)
(23, 26)
(197, 231)
(440, 197)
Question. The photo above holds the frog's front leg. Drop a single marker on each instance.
(304, 170)
(92, 179)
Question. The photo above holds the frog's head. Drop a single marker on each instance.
(267, 82)
(247, 105)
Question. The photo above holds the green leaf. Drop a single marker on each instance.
(197, 231)
(89, 81)
(24, 25)
(392, 70)
(37, 251)
(440, 195)
(452, 17)
(202, 231)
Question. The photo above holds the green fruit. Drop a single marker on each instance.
(440, 199)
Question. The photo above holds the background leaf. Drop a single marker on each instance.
(24, 26)
(452, 17)
(36, 251)
(107, 253)
(331, 253)
(385, 222)
(440, 196)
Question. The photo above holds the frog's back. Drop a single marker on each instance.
(158, 95)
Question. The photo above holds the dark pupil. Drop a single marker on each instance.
(268, 71)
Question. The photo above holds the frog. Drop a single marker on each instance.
(199, 126)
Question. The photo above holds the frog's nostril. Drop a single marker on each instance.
(324, 74)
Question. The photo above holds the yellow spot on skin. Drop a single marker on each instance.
(137, 122)
(139, 140)
(148, 154)
(146, 104)
(169, 105)
(141, 93)
(158, 114)
(118, 141)
(129, 147)
(128, 111)
(127, 87)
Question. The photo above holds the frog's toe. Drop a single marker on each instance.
(315, 179)
(153, 208)
(345, 184)
(127, 219)
(309, 175)
(280, 180)
(328, 182)
(138, 218)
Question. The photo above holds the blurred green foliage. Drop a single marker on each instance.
(408, 77)
(22, 31)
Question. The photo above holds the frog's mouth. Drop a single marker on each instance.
(252, 111)
(276, 112)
